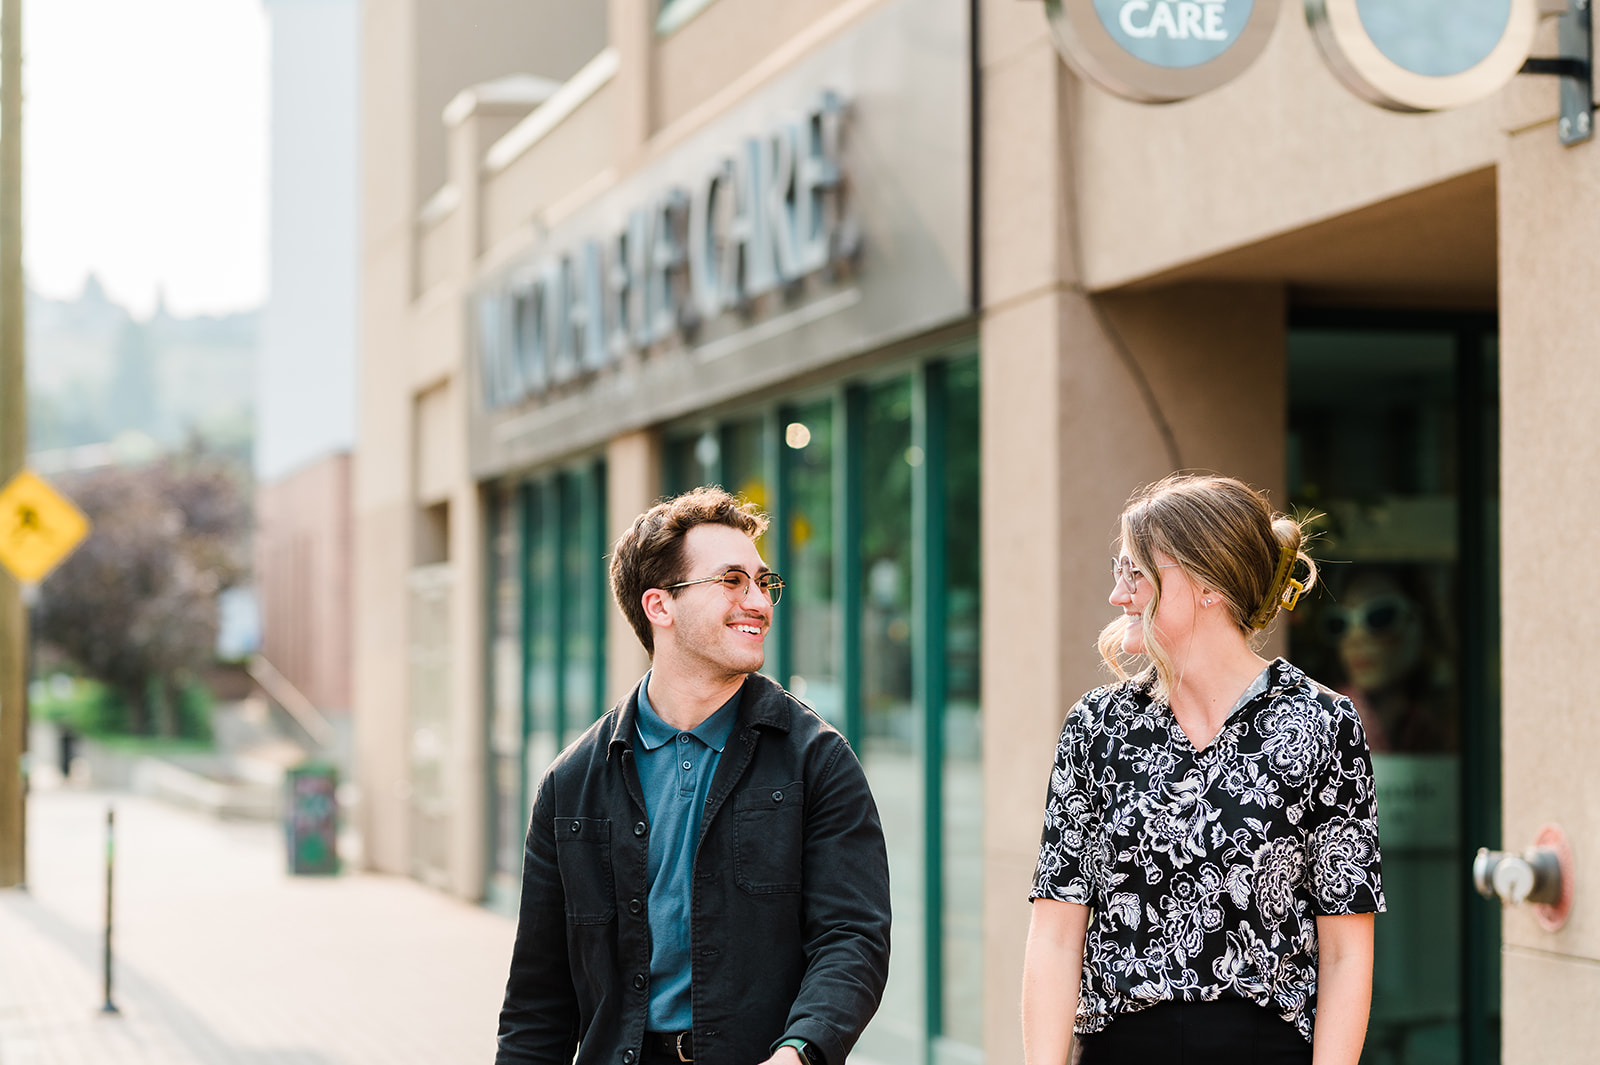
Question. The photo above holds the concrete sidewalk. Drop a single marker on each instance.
(224, 959)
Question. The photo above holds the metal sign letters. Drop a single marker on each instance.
(764, 216)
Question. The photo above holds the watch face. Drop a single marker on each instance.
(807, 1052)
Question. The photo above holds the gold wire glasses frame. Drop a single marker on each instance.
(736, 585)
(1126, 569)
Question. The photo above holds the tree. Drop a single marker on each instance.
(133, 402)
(135, 605)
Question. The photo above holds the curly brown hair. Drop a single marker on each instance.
(650, 554)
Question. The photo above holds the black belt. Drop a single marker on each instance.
(678, 1045)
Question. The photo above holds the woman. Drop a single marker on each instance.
(1396, 667)
(1209, 867)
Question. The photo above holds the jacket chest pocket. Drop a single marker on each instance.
(768, 837)
(583, 853)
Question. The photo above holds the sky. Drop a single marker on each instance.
(145, 151)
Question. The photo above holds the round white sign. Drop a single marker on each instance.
(1423, 55)
(1157, 51)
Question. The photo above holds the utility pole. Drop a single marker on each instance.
(13, 452)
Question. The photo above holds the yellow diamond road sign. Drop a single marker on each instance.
(38, 527)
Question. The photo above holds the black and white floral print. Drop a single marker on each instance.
(1206, 870)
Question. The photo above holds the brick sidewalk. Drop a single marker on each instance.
(223, 959)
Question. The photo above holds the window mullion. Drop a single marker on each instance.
(849, 419)
(928, 499)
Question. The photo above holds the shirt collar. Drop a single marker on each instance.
(714, 731)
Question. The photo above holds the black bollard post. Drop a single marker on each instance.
(111, 854)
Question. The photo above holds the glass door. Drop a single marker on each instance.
(1393, 442)
(873, 489)
(547, 604)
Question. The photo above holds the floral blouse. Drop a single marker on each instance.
(1206, 870)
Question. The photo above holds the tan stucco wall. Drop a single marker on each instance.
(1074, 418)
(1082, 403)
(555, 168)
(381, 507)
(462, 42)
(633, 485)
(1281, 147)
(1550, 389)
(703, 57)
(302, 550)
(416, 55)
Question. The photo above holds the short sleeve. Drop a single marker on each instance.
(1065, 847)
(1342, 828)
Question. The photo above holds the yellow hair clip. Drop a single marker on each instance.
(1292, 594)
(1285, 591)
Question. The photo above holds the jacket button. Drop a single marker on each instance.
(576, 826)
(640, 829)
(638, 982)
(629, 1057)
(635, 906)
(777, 796)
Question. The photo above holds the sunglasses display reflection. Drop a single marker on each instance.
(1378, 615)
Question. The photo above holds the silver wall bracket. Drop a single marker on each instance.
(1541, 875)
(1575, 67)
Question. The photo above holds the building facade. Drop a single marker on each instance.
(306, 367)
(888, 268)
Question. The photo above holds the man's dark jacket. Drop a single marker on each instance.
(789, 923)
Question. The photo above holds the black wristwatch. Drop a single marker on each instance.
(809, 1054)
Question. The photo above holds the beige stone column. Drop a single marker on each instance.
(418, 55)
(467, 767)
(475, 119)
(1084, 399)
(631, 30)
(633, 485)
(1549, 227)
(381, 510)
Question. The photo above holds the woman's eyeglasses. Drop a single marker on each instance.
(736, 585)
(1125, 569)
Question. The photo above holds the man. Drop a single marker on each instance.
(705, 876)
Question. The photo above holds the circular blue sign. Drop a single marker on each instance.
(1435, 38)
(1174, 33)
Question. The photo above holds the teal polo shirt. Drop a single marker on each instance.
(675, 771)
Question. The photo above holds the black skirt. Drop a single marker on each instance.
(1226, 1032)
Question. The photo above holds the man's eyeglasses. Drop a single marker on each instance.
(736, 585)
(1125, 569)
(1377, 615)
